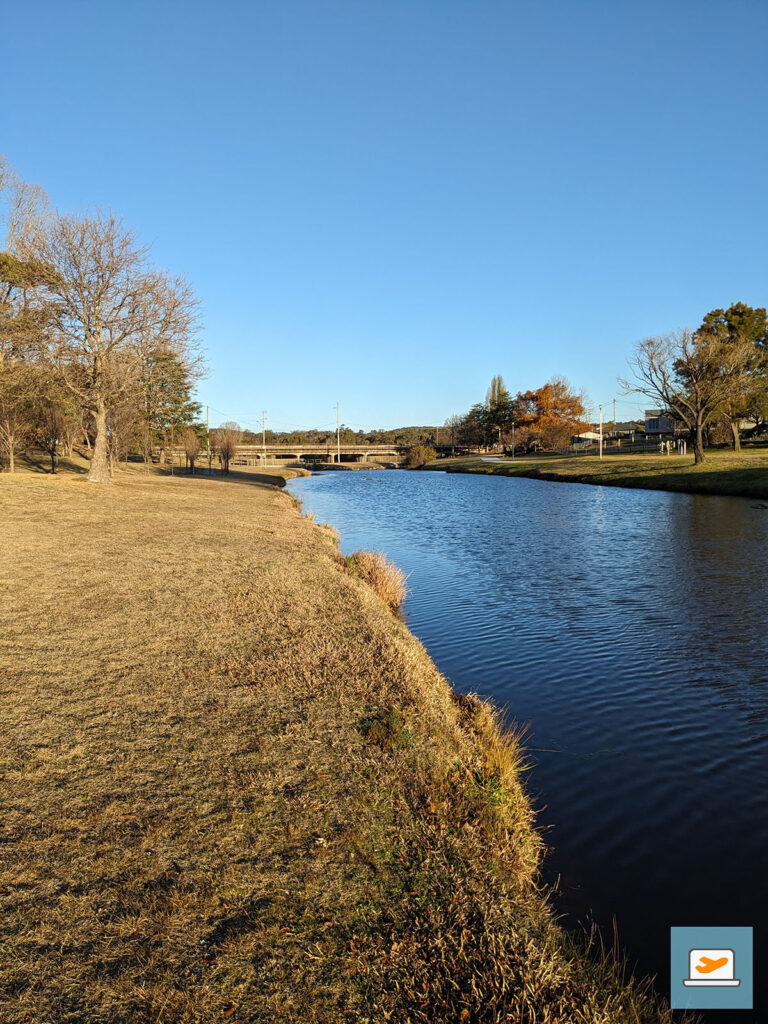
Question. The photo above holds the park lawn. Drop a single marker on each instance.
(743, 474)
(235, 787)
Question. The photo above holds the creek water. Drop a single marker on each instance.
(626, 630)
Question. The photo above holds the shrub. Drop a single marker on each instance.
(419, 456)
(387, 729)
(378, 572)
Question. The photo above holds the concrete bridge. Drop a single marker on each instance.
(328, 452)
(256, 454)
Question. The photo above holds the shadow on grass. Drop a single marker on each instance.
(238, 476)
(42, 464)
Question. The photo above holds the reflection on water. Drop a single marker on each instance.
(626, 629)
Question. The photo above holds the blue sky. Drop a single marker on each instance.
(386, 203)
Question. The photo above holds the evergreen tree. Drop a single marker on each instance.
(732, 328)
(166, 398)
(499, 410)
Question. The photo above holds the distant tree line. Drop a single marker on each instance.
(98, 347)
(396, 436)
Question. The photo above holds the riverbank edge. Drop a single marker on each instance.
(503, 754)
(440, 833)
(684, 485)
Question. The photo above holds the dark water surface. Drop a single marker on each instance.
(628, 630)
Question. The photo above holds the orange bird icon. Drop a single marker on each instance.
(707, 965)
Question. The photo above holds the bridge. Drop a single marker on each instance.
(326, 453)
(256, 454)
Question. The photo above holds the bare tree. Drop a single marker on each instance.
(124, 429)
(51, 431)
(692, 374)
(106, 306)
(191, 447)
(453, 423)
(17, 393)
(73, 427)
(22, 207)
(225, 440)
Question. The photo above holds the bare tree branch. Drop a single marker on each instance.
(694, 374)
(106, 308)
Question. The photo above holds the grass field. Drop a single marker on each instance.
(234, 786)
(723, 472)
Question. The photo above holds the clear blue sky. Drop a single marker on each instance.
(387, 202)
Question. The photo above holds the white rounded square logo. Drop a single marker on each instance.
(715, 967)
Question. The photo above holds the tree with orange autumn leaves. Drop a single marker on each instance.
(549, 416)
(544, 418)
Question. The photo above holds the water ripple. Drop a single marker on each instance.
(626, 629)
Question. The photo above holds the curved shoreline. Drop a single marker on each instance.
(274, 802)
(722, 473)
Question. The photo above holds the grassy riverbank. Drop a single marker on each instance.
(235, 787)
(723, 472)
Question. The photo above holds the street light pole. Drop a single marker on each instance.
(264, 436)
(601, 431)
(208, 437)
(338, 435)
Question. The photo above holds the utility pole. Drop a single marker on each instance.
(513, 439)
(614, 416)
(208, 437)
(338, 435)
(601, 431)
(264, 436)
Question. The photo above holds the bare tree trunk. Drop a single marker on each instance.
(99, 471)
(9, 440)
(698, 445)
(736, 433)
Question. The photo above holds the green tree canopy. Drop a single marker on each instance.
(744, 329)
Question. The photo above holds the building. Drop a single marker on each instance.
(659, 423)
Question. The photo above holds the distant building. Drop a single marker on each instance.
(659, 422)
(629, 427)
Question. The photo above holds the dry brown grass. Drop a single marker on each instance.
(386, 579)
(234, 787)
